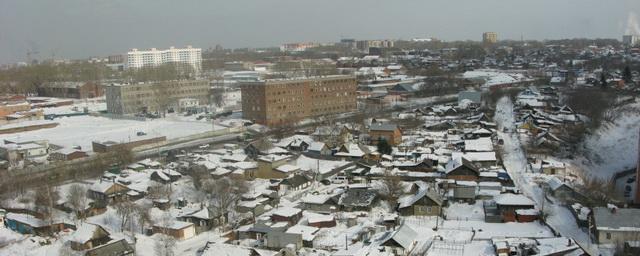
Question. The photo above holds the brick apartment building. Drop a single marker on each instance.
(76, 90)
(280, 102)
(154, 96)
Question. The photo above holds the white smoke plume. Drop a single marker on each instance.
(633, 28)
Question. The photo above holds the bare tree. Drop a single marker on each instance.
(45, 199)
(164, 245)
(217, 97)
(77, 199)
(224, 193)
(159, 191)
(125, 211)
(392, 188)
(142, 215)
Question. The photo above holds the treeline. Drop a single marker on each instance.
(26, 79)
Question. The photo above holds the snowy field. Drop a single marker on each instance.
(82, 130)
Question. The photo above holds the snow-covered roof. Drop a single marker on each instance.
(26, 219)
(613, 218)
(174, 225)
(286, 211)
(423, 190)
(480, 144)
(287, 168)
(404, 236)
(101, 186)
(316, 146)
(513, 199)
(84, 233)
(308, 233)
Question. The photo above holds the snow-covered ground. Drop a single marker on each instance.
(613, 147)
(92, 105)
(82, 130)
(515, 162)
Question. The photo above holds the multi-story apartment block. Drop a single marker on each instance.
(154, 57)
(280, 102)
(154, 96)
(489, 37)
(364, 45)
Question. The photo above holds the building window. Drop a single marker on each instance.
(608, 235)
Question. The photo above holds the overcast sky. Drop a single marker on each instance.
(84, 28)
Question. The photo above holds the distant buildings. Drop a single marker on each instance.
(489, 37)
(154, 96)
(76, 90)
(297, 47)
(284, 101)
(364, 45)
(154, 57)
(630, 40)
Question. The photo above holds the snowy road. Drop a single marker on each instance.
(515, 162)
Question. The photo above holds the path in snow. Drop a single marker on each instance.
(515, 162)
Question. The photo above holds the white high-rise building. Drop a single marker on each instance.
(155, 57)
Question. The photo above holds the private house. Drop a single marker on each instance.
(424, 202)
(320, 203)
(415, 166)
(553, 167)
(308, 234)
(262, 147)
(353, 150)
(297, 143)
(320, 220)
(268, 167)
(90, 208)
(202, 218)
(295, 182)
(107, 191)
(165, 176)
(286, 214)
(613, 225)
(119, 248)
(389, 132)
(482, 159)
(562, 190)
(403, 89)
(88, 236)
(462, 169)
(465, 190)
(279, 240)
(509, 203)
(319, 148)
(67, 154)
(400, 241)
(180, 230)
(358, 197)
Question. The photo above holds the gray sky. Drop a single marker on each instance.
(83, 28)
